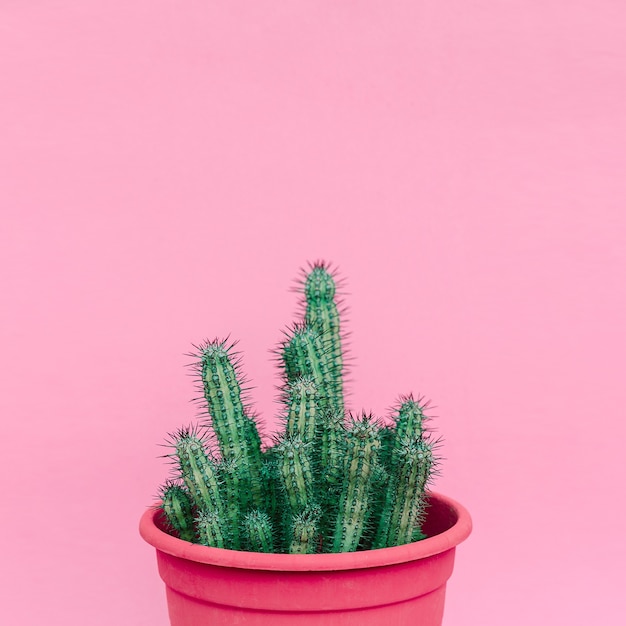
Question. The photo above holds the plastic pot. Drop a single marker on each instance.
(400, 586)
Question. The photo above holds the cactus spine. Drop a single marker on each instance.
(330, 482)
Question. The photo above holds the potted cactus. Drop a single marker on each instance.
(330, 522)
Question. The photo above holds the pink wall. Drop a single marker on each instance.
(166, 168)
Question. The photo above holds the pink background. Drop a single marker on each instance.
(165, 169)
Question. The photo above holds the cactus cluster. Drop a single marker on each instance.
(329, 481)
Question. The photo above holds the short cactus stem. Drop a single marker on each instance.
(387, 438)
(409, 423)
(361, 450)
(258, 531)
(210, 529)
(296, 473)
(198, 472)
(405, 503)
(322, 313)
(302, 399)
(178, 508)
(305, 532)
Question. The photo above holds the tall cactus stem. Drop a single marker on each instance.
(237, 434)
(322, 313)
(223, 395)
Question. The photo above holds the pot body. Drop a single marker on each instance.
(400, 586)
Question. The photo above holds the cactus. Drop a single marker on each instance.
(322, 314)
(178, 508)
(329, 482)
(409, 422)
(302, 401)
(304, 355)
(304, 532)
(236, 432)
(211, 529)
(198, 471)
(362, 444)
(404, 499)
(257, 528)
(232, 495)
(296, 473)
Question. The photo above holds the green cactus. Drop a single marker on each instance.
(178, 508)
(302, 401)
(404, 501)
(211, 530)
(387, 436)
(328, 483)
(271, 481)
(236, 433)
(362, 445)
(409, 422)
(322, 314)
(233, 497)
(257, 529)
(294, 462)
(380, 480)
(329, 455)
(305, 356)
(304, 531)
(198, 471)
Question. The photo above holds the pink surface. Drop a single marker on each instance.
(166, 167)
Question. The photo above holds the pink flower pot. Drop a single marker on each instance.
(393, 586)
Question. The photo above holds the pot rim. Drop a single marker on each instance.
(436, 544)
